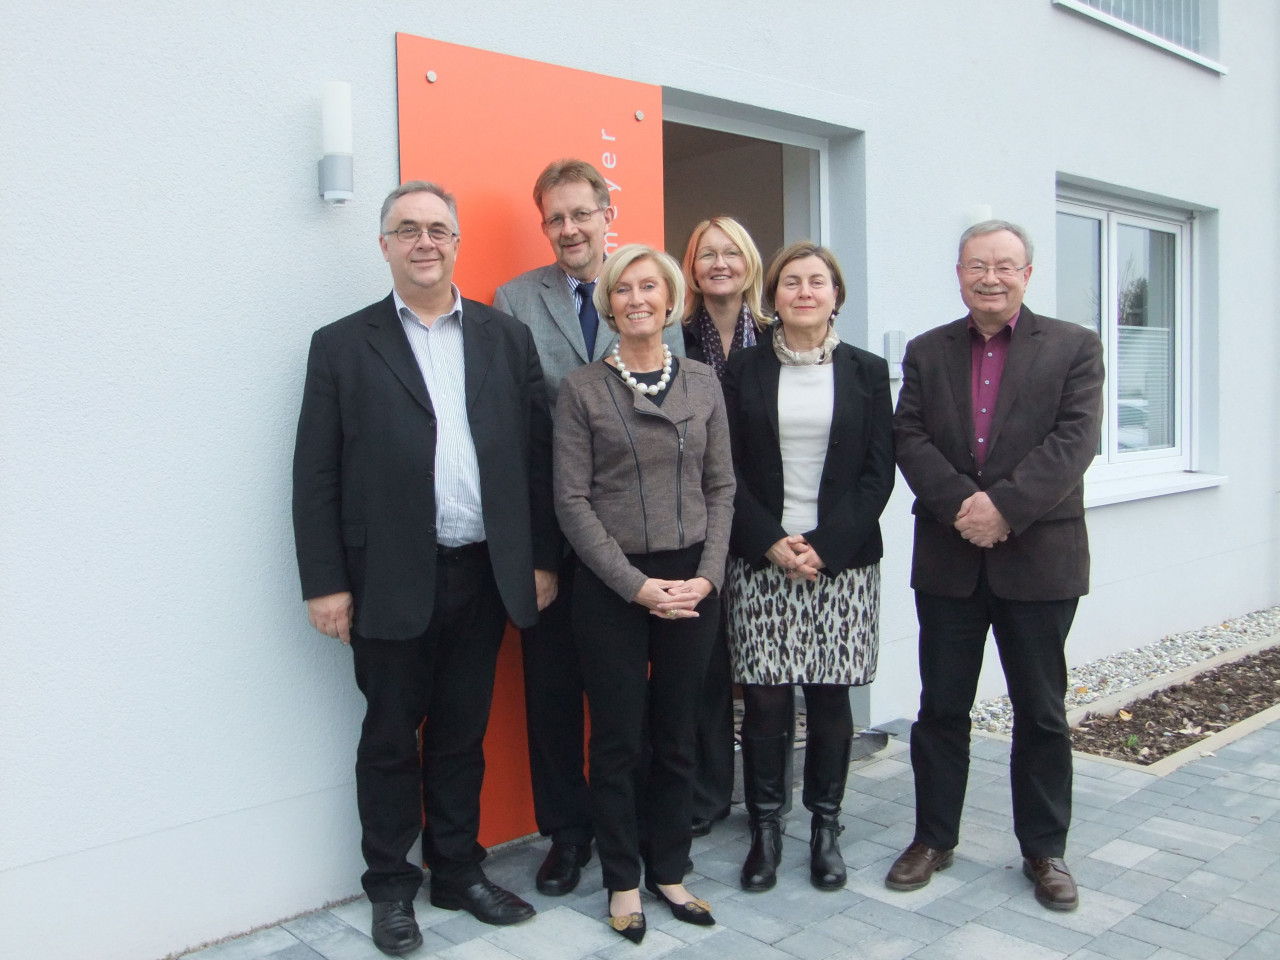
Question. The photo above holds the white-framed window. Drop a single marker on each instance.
(1125, 272)
(1187, 28)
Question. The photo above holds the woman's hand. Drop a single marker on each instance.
(673, 599)
(685, 595)
(786, 552)
(808, 563)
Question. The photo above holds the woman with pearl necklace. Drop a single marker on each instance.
(644, 493)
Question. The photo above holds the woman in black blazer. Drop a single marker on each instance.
(812, 428)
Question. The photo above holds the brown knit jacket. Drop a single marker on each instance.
(632, 477)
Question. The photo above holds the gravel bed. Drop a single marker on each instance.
(1088, 682)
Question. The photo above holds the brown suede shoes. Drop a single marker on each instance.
(1055, 887)
(914, 868)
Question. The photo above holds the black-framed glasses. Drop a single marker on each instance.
(978, 268)
(410, 234)
(578, 216)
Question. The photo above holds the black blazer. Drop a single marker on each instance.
(857, 476)
(364, 467)
(1043, 437)
(693, 343)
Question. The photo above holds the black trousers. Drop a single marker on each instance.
(553, 690)
(445, 676)
(632, 660)
(713, 778)
(1030, 637)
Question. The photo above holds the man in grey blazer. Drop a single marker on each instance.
(554, 302)
(998, 419)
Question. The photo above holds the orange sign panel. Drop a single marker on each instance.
(483, 125)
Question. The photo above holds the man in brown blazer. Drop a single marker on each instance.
(998, 418)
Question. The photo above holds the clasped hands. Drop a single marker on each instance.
(673, 599)
(796, 557)
(980, 522)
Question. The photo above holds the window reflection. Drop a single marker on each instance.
(1145, 312)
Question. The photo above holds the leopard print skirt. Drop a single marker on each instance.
(801, 631)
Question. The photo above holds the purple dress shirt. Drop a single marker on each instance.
(987, 366)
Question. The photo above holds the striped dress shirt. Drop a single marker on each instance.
(438, 350)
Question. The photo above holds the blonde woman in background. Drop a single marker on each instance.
(723, 277)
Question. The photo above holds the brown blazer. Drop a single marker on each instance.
(1044, 435)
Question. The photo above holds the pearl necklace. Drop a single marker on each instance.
(643, 388)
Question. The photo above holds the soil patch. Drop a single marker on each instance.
(1172, 719)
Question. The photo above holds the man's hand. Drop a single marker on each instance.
(332, 615)
(547, 584)
(980, 522)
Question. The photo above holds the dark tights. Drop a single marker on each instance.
(767, 710)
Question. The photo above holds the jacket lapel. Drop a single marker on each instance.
(560, 305)
(386, 336)
(674, 408)
(959, 372)
(844, 373)
(769, 370)
(477, 350)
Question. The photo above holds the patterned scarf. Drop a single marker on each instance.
(744, 335)
(815, 356)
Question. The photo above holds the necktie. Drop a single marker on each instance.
(587, 316)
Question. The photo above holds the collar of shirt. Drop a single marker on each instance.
(404, 311)
(973, 327)
(575, 283)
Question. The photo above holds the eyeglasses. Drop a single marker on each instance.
(578, 216)
(410, 234)
(709, 256)
(1003, 270)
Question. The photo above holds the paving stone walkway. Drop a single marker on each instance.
(1186, 865)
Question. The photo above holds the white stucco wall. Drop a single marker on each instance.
(175, 743)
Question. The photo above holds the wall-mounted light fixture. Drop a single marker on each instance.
(336, 183)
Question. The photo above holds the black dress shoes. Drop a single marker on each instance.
(562, 868)
(395, 931)
(484, 900)
(702, 825)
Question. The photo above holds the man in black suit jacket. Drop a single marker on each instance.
(423, 519)
(998, 418)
